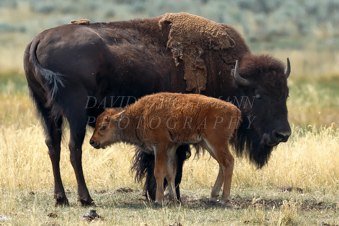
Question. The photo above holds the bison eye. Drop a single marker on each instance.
(103, 128)
(106, 118)
(258, 97)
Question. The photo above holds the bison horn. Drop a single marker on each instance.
(288, 69)
(240, 80)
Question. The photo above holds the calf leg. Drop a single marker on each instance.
(171, 173)
(225, 159)
(217, 186)
(159, 174)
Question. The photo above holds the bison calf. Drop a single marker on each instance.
(160, 123)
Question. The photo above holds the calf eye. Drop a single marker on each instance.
(258, 97)
(106, 118)
(103, 128)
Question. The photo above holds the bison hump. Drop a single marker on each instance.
(189, 37)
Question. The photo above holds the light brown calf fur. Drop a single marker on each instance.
(161, 122)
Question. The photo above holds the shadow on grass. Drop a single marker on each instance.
(134, 200)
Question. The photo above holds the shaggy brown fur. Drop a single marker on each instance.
(189, 37)
(160, 123)
(81, 22)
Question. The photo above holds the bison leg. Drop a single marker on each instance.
(53, 139)
(77, 123)
(182, 154)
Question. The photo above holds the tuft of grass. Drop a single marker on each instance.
(288, 212)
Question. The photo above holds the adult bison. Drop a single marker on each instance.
(75, 69)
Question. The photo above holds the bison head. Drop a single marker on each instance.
(262, 80)
(106, 130)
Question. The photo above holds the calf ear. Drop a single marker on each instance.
(119, 116)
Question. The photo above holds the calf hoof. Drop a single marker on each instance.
(214, 200)
(225, 204)
(61, 200)
(157, 205)
(86, 202)
(173, 202)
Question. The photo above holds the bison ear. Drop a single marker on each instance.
(119, 116)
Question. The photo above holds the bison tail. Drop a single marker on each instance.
(143, 166)
(49, 80)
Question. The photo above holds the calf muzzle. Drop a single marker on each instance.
(94, 144)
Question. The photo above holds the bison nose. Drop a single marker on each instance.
(282, 135)
(92, 142)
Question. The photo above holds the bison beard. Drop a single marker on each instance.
(247, 139)
(143, 165)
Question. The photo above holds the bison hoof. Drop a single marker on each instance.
(85, 202)
(61, 201)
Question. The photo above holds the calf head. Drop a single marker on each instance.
(264, 81)
(106, 130)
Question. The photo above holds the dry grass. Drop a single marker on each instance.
(307, 161)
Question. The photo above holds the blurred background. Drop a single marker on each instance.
(303, 30)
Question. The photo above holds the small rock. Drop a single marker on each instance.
(285, 189)
(176, 224)
(3, 218)
(289, 189)
(327, 224)
(125, 190)
(52, 214)
(91, 215)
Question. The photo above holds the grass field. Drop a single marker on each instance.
(308, 161)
